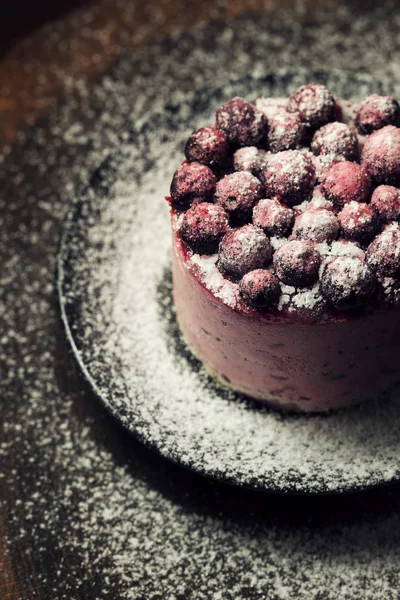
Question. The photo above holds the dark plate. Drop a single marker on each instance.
(114, 285)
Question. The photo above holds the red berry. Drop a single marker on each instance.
(243, 250)
(203, 226)
(316, 225)
(377, 112)
(289, 176)
(347, 282)
(259, 289)
(286, 132)
(297, 262)
(243, 124)
(208, 146)
(314, 103)
(237, 193)
(190, 181)
(386, 201)
(273, 217)
(381, 155)
(346, 181)
(358, 221)
(383, 254)
(336, 140)
(250, 159)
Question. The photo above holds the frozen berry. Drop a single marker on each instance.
(347, 282)
(190, 181)
(290, 176)
(344, 182)
(383, 254)
(238, 193)
(377, 112)
(358, 221)
(316, 225)
(259, 289)
(386, 201)
(208, 146)
(273, 217)
(297, 262)
(381, 155)
(250, 159)
(336, 140)
(203, 226)
(286, 132)
(243, 250)
(314, 103)
(242, 122)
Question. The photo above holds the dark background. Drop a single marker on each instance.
(20, 17)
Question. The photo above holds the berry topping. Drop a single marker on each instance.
(273, 217)
(381, 155)
(386, 201)
(297, 262)
(244, 124)
(238, 193)
(347, 282)
(377, 112)
(259, 289)
(190, 181)
(290, 176)
(250, 159)
(336, 140)
(286, 132)
(314, 103)
(344, 182)
(358, 221)
(316, 225)
(208, 146)
(203, 226)
(243, 250)
(383, 254)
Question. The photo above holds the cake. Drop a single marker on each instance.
(286, 248)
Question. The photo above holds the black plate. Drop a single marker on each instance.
(114, 285)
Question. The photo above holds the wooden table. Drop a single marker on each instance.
(37, 72)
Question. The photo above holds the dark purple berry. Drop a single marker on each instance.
(242, 122)
(347, 282)
(383, 254)
(243, 250)
(344, 182)
(358, 221)
(274, 218)
(314, 104)
(208, 146)
(289, 176)
(381, 155)
(250, 159)
(336, 140)
(386, 201)
(259, 289)
(286, 132)
(203, 226)
(377, 112)
(316, 225)
(238, 193)
(192, 181)
(297, 262)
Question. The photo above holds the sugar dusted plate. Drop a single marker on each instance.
(114, 283)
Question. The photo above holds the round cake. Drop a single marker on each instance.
(286, 248)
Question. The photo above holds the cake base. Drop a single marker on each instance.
(295, 366)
